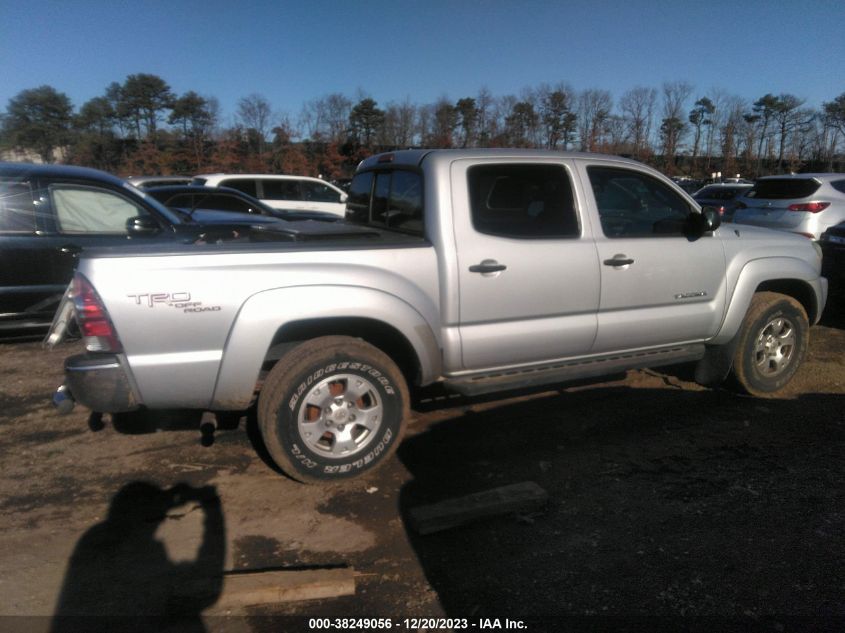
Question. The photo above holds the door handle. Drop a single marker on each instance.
(487, 266)
(71, 249)
(618, 260)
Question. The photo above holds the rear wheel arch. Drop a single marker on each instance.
(379, 334)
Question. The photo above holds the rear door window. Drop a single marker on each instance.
(247, 185)
(221, 202)
(318, 192)
(281, 189)
(522, 201)
(17, 210)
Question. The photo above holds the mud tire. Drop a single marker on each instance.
(772, 344)
(309, 442)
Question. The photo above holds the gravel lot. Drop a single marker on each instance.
(665, 499)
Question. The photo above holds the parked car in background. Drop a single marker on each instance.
(832, 242)
(687, 184)
(51, 213)
(294, 193)
(204, 204)
(725, 198)
(808, 204)
(157, 181)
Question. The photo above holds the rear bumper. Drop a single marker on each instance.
(100, 382)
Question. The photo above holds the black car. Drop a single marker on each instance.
(50, 213)
(203, 204)
(724, 197)
(832, 242)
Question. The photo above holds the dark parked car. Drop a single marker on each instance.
(199, 201)
(50, 213)
(726, 198)
(832, 242)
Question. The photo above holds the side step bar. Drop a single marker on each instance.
(576, 370)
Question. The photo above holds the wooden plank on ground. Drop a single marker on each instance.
(267, 587)
(521, 497)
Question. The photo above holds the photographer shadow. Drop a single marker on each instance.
(120, 578)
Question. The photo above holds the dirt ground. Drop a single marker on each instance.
(666, 500)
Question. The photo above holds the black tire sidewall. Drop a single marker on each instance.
(314, 466)
(757, 381)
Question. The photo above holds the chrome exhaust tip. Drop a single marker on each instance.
(63, 400)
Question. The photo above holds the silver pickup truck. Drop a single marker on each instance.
(478, 271)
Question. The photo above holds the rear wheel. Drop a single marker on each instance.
(772, 343)
(333, 408)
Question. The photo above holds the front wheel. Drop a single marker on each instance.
(333, 408)
(772, 343)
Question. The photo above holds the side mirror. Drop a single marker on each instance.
(700, 223)
(142, 225)
(343, 198)
(712, 218)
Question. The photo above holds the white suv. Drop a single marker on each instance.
(292, 193)
(802, 203)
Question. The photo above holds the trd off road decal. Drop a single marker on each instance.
(179, 300)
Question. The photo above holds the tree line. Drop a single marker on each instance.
(141, 126)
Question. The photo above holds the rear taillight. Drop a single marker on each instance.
(812, 207)
(93, 320)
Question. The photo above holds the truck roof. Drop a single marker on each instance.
(414, 157)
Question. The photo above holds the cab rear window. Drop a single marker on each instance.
(784, 189)
(389, 198)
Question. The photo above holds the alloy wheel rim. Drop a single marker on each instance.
(775, 347)
(340, 416)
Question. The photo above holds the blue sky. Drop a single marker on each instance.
(293, 52)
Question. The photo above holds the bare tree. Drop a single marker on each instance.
(484, 102)
(637, 106)
(594, 108)
(327, 118)
(731, 125)
(787, 118)
(764, 110)
(399, 124)
(255, 114)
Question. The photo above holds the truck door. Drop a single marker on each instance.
(659, 286)
(527, 269)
